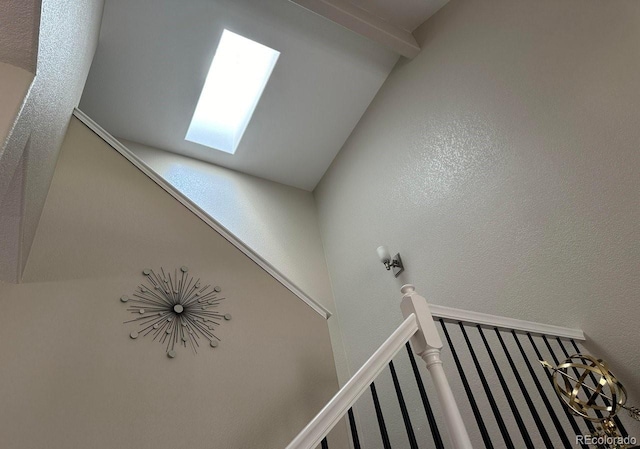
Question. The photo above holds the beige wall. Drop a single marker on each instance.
(72, 377)
(502, 163)
(278, 222)
(14, 84)
(19, 30)
(65, 46)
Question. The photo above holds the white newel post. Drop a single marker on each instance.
(427, 344)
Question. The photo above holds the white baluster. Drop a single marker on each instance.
(427, 344)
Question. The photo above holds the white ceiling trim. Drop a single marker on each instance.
(365, 24)
(200, 213)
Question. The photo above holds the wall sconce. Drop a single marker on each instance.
(389, 263)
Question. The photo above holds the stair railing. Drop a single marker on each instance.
(419, 327)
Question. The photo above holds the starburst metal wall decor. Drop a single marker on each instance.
(177, 310)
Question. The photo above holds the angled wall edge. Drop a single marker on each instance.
(200, 213)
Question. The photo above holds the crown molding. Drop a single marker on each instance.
(200, 213)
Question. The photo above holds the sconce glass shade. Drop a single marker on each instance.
(383, 254)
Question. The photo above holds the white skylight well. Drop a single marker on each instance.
(238, 74)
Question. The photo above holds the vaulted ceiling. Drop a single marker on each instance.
(405, 14)
(153, 57)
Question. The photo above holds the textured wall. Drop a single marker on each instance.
(14, 85)
(72, 378)
(19, 24)
(67, 41)
(11, 207)
(276, 221)
(502, 162)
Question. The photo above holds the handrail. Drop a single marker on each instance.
(419, 327)
(501, 322)
(200, 213)
(329, 416)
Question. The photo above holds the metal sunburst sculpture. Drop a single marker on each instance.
(177, 310)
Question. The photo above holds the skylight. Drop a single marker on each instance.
(238, 74)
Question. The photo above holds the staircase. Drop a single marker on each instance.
(485, 389)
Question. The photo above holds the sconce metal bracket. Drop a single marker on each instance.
(397, 266)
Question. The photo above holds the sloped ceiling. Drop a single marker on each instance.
(153, 57)
(404, 14)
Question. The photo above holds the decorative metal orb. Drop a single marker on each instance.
(634, 412)
(586, 385)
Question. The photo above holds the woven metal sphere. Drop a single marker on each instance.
(584, 383)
